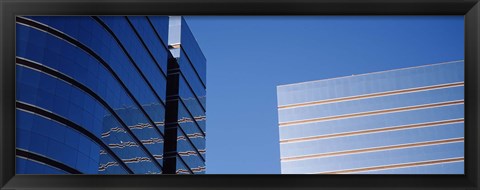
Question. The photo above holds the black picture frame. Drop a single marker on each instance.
(9, 8)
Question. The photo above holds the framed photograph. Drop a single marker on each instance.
(293, 94)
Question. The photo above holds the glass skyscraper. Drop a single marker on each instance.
(403, 121)
(187, 77)
(94, 96)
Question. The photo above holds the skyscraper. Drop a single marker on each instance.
(92, 96)
(186, 94)
(403, 121)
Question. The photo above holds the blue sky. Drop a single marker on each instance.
(248, 56)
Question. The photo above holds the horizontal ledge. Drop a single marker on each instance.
(376, 130)
(374, 149)
(395, 166)
(373, 95)
(374, 112)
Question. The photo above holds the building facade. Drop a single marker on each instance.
(186, 94)
(92, 96)
(403, 121)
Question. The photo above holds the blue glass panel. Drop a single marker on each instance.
(108, 165)
(181, 167)
(189, 154)
(56, 141)
(79, 115)
(102, 43)
(160, 24)
(101, 81)
(135, 95)
(139, 53)
(191, 129)
(25, 166)
(191, 76)
(192, 103)
(149, 36)
(195, 55)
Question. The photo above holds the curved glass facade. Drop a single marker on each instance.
(91, 95)
(404, 121)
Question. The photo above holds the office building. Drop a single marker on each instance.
(186, 94)
(402, 121)
(92, 96)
